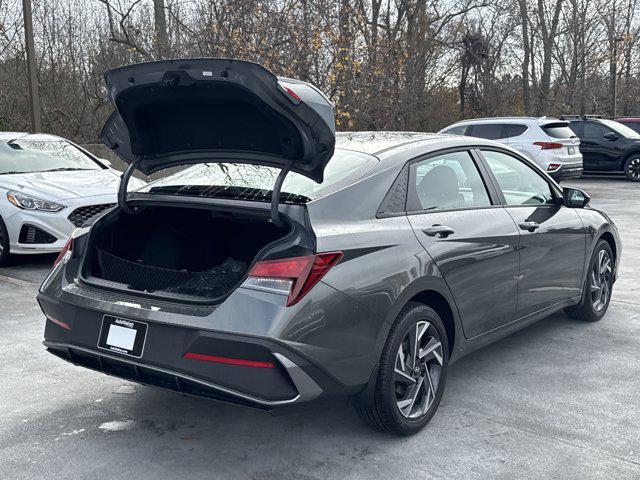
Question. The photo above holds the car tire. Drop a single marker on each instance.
(598, 286)
(5, 256)
(404, 402)
(632, 168)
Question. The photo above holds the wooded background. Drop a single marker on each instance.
(387, 64)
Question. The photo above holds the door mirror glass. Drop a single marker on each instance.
(610, 136)
(575, 198)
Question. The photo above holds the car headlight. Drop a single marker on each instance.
(31, 203)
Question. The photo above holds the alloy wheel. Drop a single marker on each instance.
(418, 369)
(601, 275)
(633, 169)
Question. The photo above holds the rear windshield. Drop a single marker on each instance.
(255, 182)
(558, 130)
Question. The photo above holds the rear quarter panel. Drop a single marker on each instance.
(384, 265)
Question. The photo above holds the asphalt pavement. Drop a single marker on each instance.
(559, 399)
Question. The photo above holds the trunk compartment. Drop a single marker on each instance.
(190, 253)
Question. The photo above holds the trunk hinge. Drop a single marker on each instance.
(122, 189)
(275, 196)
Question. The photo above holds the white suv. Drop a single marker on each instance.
(549, 142)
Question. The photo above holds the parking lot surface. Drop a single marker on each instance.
(559, 399)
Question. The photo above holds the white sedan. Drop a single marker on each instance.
(48, 187)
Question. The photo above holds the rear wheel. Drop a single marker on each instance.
(598, 287)
(5, 256)
(412, 373)
(632, 168)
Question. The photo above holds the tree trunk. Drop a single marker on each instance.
(162, 37)
(526, 45)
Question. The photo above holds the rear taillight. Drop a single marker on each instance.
(548, 145)
(291, 95)
(293, 276)
(65, 253)
(553, 167)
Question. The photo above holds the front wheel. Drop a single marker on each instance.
(5, 256)
(412, 373)
(598, 287)
(632, 169)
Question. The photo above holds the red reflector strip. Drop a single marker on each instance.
(60, 323)
(229, 361)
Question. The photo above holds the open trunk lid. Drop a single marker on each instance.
(178, 112)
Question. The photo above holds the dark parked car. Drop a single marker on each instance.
(632, 122)
(607, 146)
(285, 267)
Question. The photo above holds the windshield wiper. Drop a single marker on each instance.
(12, 173)
(64, 169)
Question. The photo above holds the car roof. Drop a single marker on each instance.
(388, 145)
(522, 120)
(374, 143)
(6, 136)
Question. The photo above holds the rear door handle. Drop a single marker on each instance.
(440, 231)
(530, 226)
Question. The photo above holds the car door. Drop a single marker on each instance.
(473, 241)
(603, 146)
(552, 237)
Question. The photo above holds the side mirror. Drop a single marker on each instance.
(610, 136)
(105, 162)
(575, 198)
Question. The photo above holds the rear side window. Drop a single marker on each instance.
(558, 130)
(458, 130)
(446, 182)
(490, 131)
(513, 130)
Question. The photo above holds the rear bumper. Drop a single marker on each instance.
(306, 388)
(566, 172)
(291, 379)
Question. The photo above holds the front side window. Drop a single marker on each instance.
(594, 130)
(520, 184)
(490, 131)
(24, 155)
(445, 182)
(621, 129)
(635, 126)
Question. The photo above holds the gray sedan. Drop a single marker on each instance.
(292, 265)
